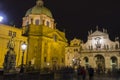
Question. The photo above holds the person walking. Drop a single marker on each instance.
(83, 73)
(79, 73)
(90, 73)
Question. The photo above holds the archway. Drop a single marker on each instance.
(100, 63)
(113, 62)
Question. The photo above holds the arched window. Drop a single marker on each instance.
(113, 59)
(114, 62)
(86, 60)
(37, 22)
(47, 23)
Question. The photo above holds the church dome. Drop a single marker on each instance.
(39, 9)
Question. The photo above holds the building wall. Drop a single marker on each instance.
(72, 56)
(44, 48)
(5, 34)
(98, 53)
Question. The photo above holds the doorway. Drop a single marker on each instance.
(100, 63)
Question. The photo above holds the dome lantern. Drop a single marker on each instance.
(39, 3)
(38, 9)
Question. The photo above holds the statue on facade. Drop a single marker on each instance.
(10, 57)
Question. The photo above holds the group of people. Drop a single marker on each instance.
(82, 72)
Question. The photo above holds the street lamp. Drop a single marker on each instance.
(23, 47)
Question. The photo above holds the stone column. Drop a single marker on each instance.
(92, 61)
(82, 62)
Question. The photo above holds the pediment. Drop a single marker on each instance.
(75, 42)
(56, 35)
(98, 33)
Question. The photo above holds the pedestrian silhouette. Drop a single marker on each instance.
(91, 73)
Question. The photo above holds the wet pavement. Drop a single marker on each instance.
(95, 77)
(56, 76)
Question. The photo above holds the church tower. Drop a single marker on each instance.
(46, 44)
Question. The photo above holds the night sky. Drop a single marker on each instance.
(75, 17)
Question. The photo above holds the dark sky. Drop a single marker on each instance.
(76, 17)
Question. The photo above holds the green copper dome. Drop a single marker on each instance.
(39, 9)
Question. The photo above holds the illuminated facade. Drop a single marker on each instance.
(73, 53)
(45, 43)
(99, 51)
(6, 32)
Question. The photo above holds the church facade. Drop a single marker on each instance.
(98, 52)
(47, 47)
(45, 43)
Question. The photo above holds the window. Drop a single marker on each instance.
(55, 38)
(116, 46)
(10, 33)
(37, 22)
(75, 50)
(47, 23)
(45, 59)
(86, 60)
(114, 59)
(62, 60)
(14, 34)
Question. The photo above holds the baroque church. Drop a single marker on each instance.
(45, 43)
(48, 47)
(98, 52)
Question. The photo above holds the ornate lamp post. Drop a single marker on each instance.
(23, 47)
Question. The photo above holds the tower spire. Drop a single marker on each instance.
(39, 3)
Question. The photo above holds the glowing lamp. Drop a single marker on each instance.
(1, 18)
